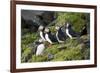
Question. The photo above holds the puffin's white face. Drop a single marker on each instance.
(46, 30)
(67, 25)
(40, 28)
(57, 27)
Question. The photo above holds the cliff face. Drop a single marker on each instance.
(31, 19)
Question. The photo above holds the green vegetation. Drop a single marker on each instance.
(78, 20)
(71, 49)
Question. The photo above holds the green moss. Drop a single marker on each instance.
(77, 19)
(26, 54)
(71, 49)
(38, 58)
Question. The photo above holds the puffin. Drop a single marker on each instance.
(70, 32)
(51, 38)
(84, 30)
(60, 34)
(39, 47)
(41, 32)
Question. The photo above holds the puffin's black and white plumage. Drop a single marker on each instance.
(51, 38)
(69, 31)
(60, 34)
(85, 30)
(41, 32)
(39, 47)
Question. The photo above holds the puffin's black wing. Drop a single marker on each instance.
(43, 34)
(52, 37)
(61, 35)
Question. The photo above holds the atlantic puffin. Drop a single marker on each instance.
(41, 32)
(84, 30)
(69, 31)
(60, 34)
(51, 38)
(39, 47)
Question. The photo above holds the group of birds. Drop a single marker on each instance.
(60, 36)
